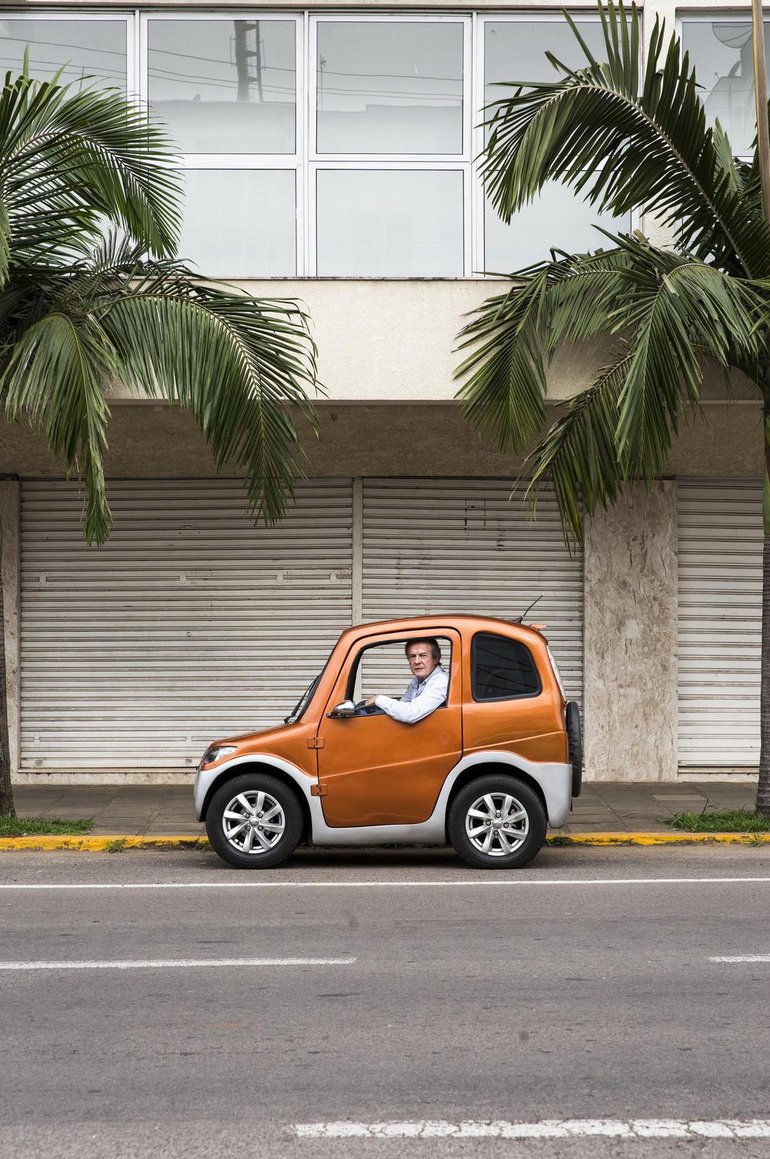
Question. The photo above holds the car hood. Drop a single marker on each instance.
(263, 740)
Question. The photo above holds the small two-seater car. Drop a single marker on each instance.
(487, 771)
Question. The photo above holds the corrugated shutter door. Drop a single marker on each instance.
(720, 622)
(464, 546)
(190, 623)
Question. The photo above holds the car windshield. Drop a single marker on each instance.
(303, 702)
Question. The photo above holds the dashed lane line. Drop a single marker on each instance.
(545, 1129)
(742, 958)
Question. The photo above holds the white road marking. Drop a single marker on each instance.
(174, 963)
(743, 958)
(394, 884)
(546, 1129)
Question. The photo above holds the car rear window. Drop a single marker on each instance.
(501, 669)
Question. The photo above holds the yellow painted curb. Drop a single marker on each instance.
(117, 842)
(114, 842)
(678, 838)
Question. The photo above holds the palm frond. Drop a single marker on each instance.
(503, 392)
(512, 336)
(70, 159)
(240, 365)
(578, 453)
(5, 242)
(673, 309)
(56, 373)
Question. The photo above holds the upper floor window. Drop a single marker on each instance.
(339, 145)
(92, 49)
(721, 51)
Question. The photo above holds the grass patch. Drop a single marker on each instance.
(116, 846)
(713, 820)
(44, 826)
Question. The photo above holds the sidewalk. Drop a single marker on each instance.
(606, 812)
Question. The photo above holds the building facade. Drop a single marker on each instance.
(329, 155)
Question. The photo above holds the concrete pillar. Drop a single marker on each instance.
(10, 553)
(631, 638)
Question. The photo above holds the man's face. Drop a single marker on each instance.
(420, 657)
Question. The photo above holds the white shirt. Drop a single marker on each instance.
(421, 698)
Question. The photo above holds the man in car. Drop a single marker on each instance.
(426, 690)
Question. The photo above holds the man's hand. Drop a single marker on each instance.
(369, 702)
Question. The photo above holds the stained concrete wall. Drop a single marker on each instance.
(630, 641)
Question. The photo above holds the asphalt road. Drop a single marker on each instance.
(164, 1004)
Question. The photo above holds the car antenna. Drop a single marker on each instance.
(520, 619)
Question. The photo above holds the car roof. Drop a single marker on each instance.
(462, 622)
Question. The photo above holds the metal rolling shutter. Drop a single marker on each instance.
(433, 545)
(189, 624)
(720, 621)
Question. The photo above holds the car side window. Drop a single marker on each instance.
(502, 669)
(384, 668)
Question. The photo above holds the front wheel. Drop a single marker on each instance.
(497, 822)
(254, 821)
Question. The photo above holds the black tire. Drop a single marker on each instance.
(575, 741)
(475, 811)
(254, 821)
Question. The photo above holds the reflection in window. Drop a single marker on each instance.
(390, 223)
(721, 52)
(252, 232)
(91, 51)
(394, 87)
(225, 86)
(502, 669)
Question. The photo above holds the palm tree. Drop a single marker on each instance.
(624, 138)
(81, 311)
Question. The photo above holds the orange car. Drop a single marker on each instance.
(487, 769)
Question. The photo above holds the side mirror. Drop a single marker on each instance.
(344, 710)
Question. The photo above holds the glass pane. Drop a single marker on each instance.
(722, 55)
(93, 51)
(514, 50)
(225, 86)
(502, 669)
(240, 223)
(390, 224)
(392, 87)
(557, 219)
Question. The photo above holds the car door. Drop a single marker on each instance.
(372, 769)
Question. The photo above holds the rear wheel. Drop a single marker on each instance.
(575, 741)
(254, 821)
(497, 822)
